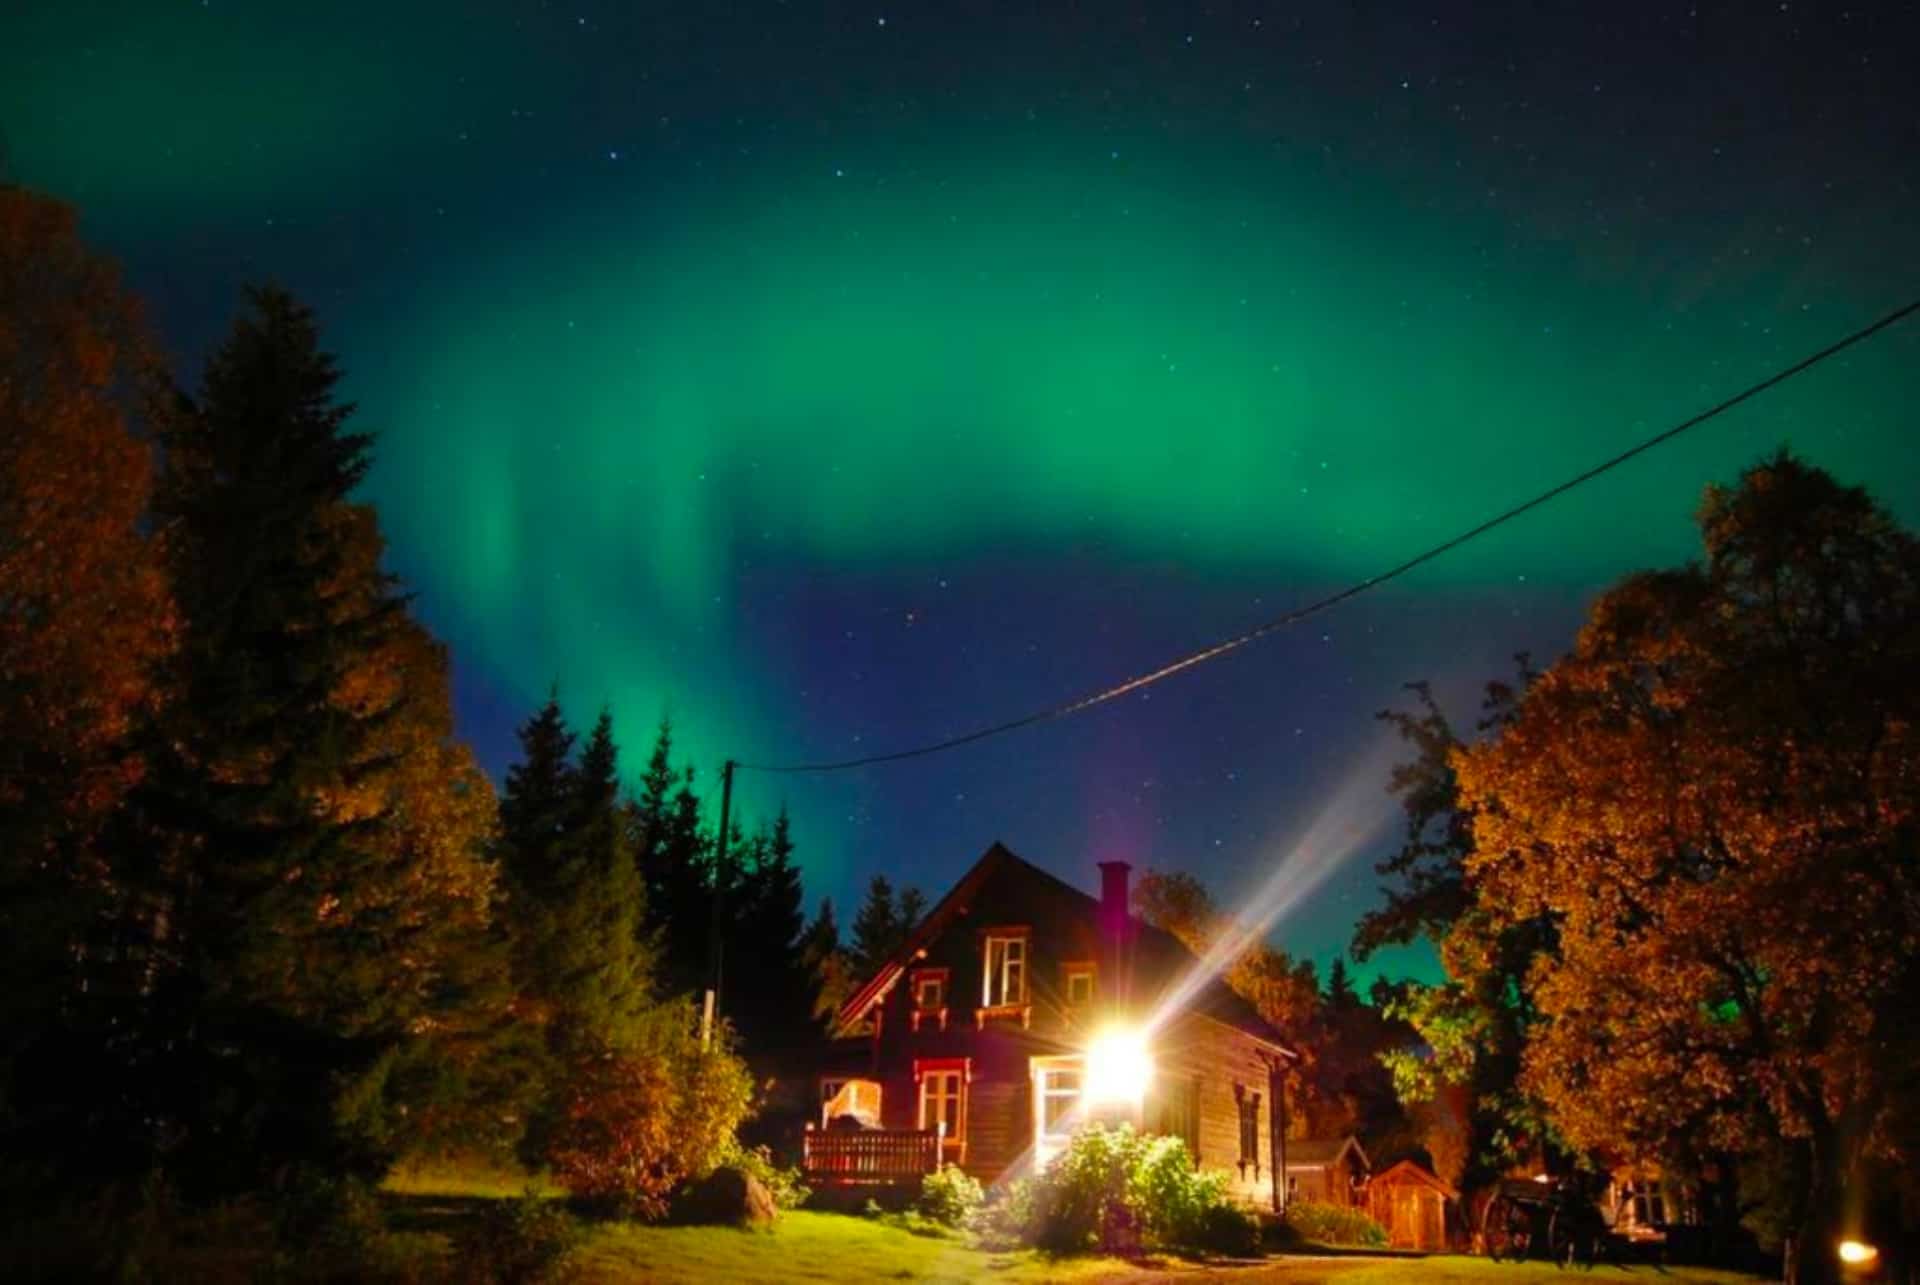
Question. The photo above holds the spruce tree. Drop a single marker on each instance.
(608, 899)
(908, 911)
(687, 879)
(671, 848)
(578, 901)
(829, 966)
(536, 808)
(770, 985)
(306, 912)
(1340, 993)
(876, 928)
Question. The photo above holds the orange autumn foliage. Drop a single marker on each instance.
(84, 608)
(1716, 799)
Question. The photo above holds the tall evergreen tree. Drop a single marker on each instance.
(580, 902)
(909, 911)
(536, 809)
(1340, 993)
(831, 968)
(687, 878)
(671, 848)
(770, 982)
(608, 900)
(585, 970)
(284, 777)
(881, 927)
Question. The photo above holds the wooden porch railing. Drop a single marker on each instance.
(869, 1155)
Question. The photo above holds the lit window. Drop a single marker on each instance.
(930, 991)
(943, 1095)
(1249, 1110)
(1056, 1101)
(1006, 971)
(1079, 985)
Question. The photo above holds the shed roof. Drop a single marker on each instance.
(1321, 1153)
(1412, 1173)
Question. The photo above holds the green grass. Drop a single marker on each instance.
(806, 1246)
(439, 1200)
(476, 1179)
(1451, 1269)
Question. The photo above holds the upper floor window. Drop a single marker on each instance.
(930, 989)
(1006, 969)
(1079, 984)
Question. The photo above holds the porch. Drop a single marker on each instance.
(869, 1157)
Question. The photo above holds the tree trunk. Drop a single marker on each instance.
(1813, 1257)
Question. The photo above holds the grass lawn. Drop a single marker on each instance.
(808, 1246)
(1448, 1269)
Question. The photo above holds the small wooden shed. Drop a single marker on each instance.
(1411, 1203)
(1328, 1171)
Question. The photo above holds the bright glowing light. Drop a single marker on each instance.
(1856, 1253)
(1119, 1068)
(1348, 822)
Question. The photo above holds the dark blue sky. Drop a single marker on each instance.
(840, 377)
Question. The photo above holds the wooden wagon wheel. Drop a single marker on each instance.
(1507, 1230)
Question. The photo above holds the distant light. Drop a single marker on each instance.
(1857, 1253)
(1119, 1068)
(1541, 1177)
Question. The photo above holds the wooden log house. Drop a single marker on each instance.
(1017, 1010)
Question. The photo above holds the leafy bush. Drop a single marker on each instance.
(1227, 1229)
(787, 1186)
(1005, 1220)
(949, 1197)
(638, 1121)
(1085, 1200)
(1333, 1224)
(519, 1240)
(1119, 1191)
(1185, 1208)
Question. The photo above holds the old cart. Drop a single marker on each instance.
(1553, 1218)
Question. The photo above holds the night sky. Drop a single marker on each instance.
(839, 378)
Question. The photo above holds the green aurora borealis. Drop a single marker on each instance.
(664, 413)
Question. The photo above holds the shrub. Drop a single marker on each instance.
(949, 1197)
(518, 1240)
(1006, 1220)
(1333, 1224)
(1119, 1191)
(636, 1122)
(787, 1186)
(1084, 1199)
(1227, 1229)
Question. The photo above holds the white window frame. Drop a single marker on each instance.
(1011, 948)
(937, 1089)
(1047, 1144)
(1088, 973)
(937, 982)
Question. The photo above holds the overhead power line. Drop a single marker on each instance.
(1214, 651)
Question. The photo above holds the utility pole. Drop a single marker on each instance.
(716, 954)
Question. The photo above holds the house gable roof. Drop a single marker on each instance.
(1156, 949)
(1322, 1153)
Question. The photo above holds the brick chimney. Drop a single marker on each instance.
(1113, 896)
(1116, 928)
